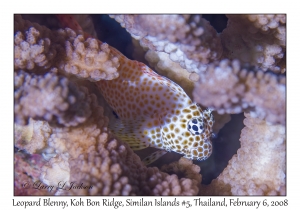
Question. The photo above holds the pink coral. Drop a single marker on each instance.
(257, 39)
(50, 97)
(70, 131)
(38, 48)
(240, 89)
(190, 40)
(26, 175)
(248, 172)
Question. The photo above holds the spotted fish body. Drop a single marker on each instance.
(156, 112)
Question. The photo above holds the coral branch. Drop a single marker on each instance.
(50, 97)
(248, 173)
(190, 40)
(61, 131)
(231, 88)
(256, 39)
(37, 47)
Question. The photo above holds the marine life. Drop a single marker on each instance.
(156, 112)
(153, 110)
(68, 120)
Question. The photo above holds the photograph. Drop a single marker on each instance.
(149, 105)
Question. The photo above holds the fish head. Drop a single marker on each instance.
(189, 132)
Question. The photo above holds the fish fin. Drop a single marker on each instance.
(127, 130)
(153, 157)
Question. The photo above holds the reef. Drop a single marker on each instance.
(61, 132)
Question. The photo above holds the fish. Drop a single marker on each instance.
(154, 111)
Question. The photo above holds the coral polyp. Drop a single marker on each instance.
(83, 110)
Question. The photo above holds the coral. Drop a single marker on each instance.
(228, 88)
(32, 137)
(50, 97)
(256, 39)
(37, 47)
(170, 69)
(248, 172)
(89, 60)
(88, 154)
(68, 143)
(70, 139)
(184, 167)
(190, 40)
(56, 171)
(61, 119)
(240, 89)
(26, 175)
(113, 169)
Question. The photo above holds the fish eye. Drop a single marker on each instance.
(196, 126)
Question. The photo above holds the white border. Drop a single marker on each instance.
(153, 6)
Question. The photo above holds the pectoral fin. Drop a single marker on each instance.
(153, 157)
(127, 130)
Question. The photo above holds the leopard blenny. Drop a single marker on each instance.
(155, 112)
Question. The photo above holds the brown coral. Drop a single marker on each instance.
(184, 167)
(88, 153)
(26, 175)
(230, 88)
(32, 137)
(256, 39)
(32, 51)
(170, 69)
(189, 40)
(50, 97)
(248, 173)
(37, 47)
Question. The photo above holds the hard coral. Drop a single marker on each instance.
(26, 175)
(230, 88)
(70, 130)
(32, 137)
(190, 40)
(248, 172)
(37, 47)
(50, 97)
(214, 77)
(113, 169)
(256, 39)
(257, 42)
(88, 154)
